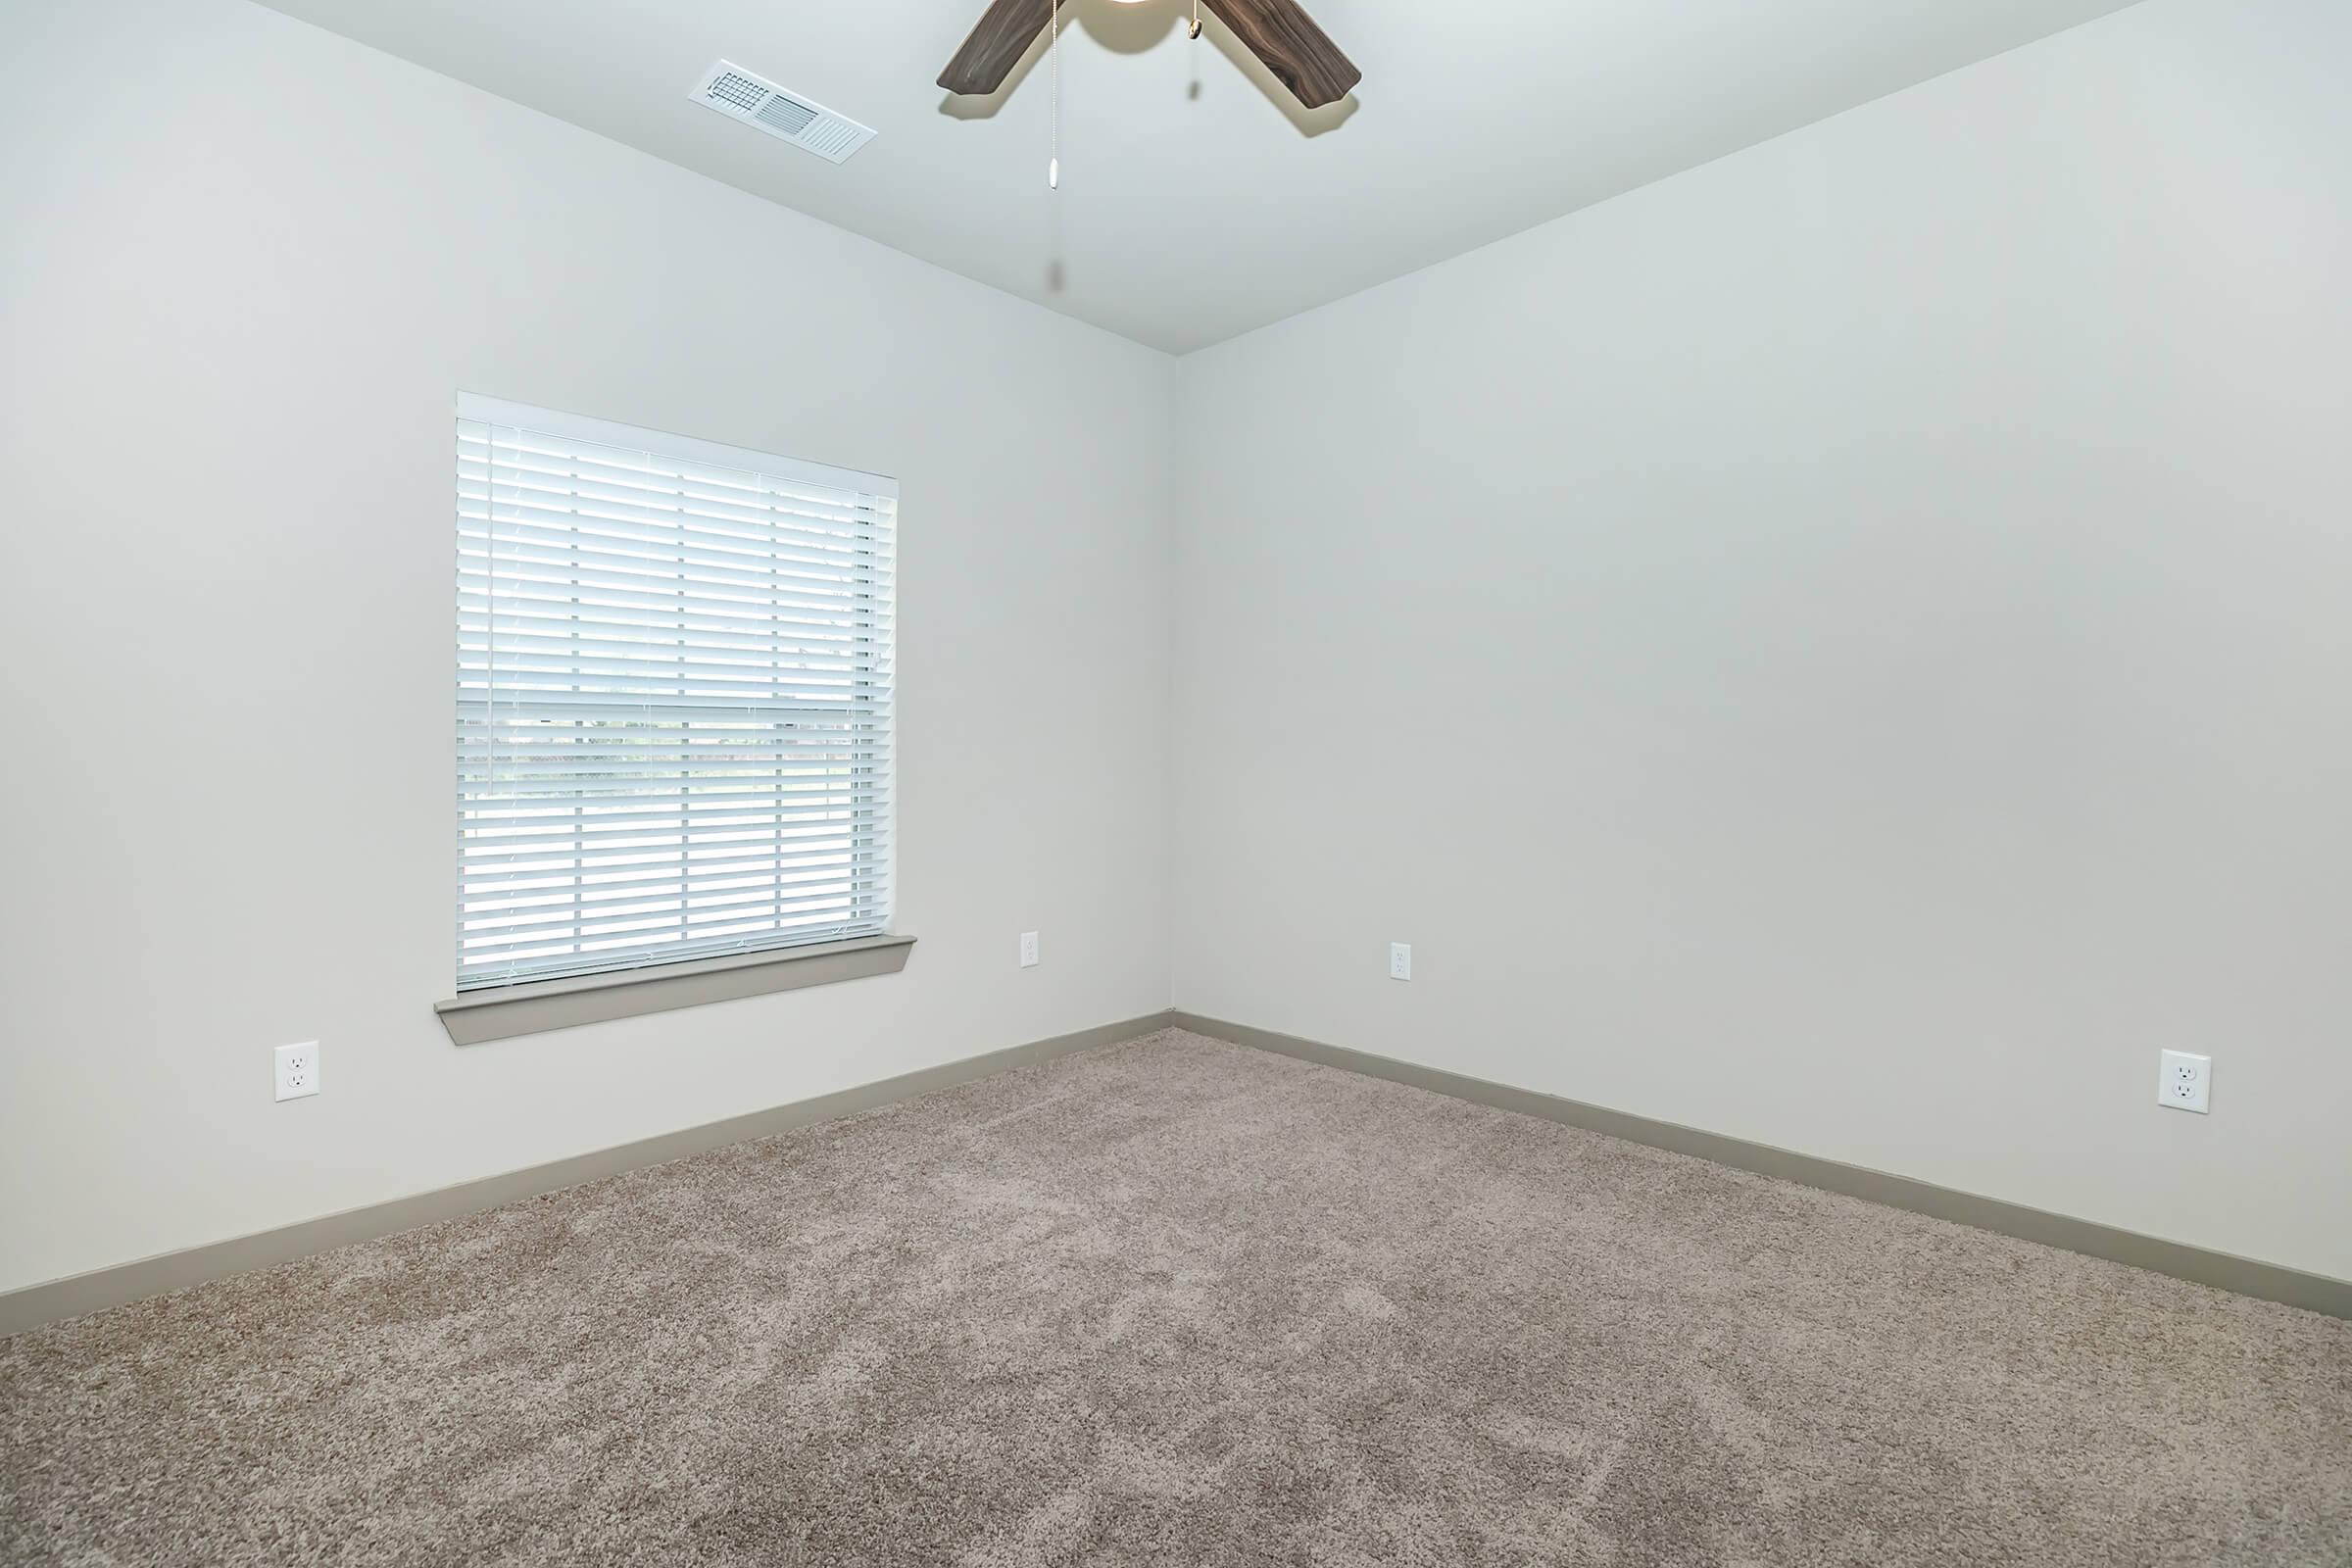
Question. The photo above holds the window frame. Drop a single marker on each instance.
(543, 993)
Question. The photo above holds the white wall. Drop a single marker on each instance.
(1859, 621)
(244, 265)
(1860, 626)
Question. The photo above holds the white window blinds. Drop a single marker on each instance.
(673, 698)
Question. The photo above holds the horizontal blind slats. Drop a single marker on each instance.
(524, 450)
(840, 767)
(686, 795)
(673, 704)
(491, 515)
(685, 573)
(578, 871)
(603, 509)
(612, 955)
(665, 800)
(605, 916)
(492, 868)
(540, 564)
(673, 711)
(596, 851)
(595, 635)
(498, 758)
(568, 599)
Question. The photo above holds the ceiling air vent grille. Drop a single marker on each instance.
(756, 101)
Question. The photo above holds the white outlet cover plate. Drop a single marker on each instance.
(1028, 950)
(1400, 960)
(2186, 1082)
(297, 1070)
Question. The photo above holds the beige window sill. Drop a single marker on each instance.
(505, 1011)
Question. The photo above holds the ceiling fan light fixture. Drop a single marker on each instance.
(1279, 32)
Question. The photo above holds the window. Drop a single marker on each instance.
(673, 698)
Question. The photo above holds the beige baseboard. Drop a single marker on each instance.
(2268, 1282)
(79, 1295)
(82, 1294)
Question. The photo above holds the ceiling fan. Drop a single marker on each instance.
(1301, 55)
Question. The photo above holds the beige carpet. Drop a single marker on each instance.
(1179, 1303)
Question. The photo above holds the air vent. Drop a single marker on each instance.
(756, 101)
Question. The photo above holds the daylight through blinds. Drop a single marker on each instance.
(673, 698)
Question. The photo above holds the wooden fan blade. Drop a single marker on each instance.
(987, 56)
(1301, 54)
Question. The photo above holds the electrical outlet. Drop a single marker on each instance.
(1028, 950)
(1400, 960)
(2186, 1082)
(298, 1070)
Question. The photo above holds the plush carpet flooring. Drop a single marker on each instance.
(1180, 1302)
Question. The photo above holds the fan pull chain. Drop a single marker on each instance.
(1054, 48)
(1196, 19)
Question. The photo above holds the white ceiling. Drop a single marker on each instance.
(1198, 201)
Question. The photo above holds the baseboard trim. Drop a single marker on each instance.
(2268, 1282)
(79, 1295)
